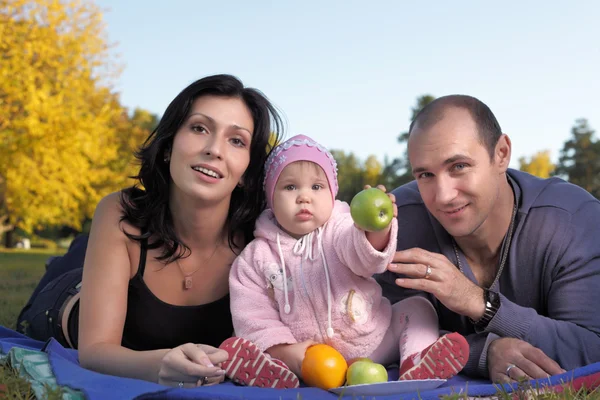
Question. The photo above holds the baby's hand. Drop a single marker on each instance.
(291, 354)
(390, 195)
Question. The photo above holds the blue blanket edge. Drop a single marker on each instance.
(68, 372)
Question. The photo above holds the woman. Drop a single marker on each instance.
(155, 278)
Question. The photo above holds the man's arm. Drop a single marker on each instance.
(570, 331)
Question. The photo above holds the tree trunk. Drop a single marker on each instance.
(9, 238)
(8, 229)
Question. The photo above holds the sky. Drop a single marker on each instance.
(347, 73)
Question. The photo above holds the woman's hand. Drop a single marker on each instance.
(192, 365)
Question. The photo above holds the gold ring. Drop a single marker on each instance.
(427, 272)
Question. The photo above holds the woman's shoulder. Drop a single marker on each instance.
(109, 211)
(110, 207)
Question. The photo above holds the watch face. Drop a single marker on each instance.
(493, 298)
(492, 303)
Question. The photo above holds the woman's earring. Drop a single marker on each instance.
(167, 158)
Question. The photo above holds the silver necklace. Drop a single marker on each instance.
(505, 248)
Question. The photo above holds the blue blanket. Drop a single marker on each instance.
(67, 371)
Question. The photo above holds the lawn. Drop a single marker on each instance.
(20, 271)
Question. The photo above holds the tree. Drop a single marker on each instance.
(372, 171)
(131, 132)
(402, 165)
(392, 173)
(353, 174)
(351, 178)
(57, 113)
(273, 142)
(579, 161)
(539, 164)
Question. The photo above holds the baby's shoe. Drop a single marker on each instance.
(443, 359)
(249, 366)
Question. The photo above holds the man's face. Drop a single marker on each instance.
(458, 181)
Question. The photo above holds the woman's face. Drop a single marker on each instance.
(211, 149)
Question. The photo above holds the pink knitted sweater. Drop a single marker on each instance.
(324, 291)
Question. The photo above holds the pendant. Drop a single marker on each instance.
(187, 283)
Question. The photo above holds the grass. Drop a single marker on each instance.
(21, 270)
(525, 391)
(12, 386)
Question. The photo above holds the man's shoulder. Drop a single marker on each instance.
(408, 194)
(550, 193)
(413, 217)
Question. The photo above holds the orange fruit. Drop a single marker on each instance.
(323, 367)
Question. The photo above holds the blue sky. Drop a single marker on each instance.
(348, 72)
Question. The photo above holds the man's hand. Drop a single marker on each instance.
(435, 274)
(529, 362)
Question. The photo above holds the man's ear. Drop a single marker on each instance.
(502, 153)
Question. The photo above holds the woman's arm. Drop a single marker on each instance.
(103, 304)
(103, 307)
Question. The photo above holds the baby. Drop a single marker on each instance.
(306, 278)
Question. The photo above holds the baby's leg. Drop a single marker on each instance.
(413, 327)
(249, 366)
(416, 323)
(423, 354)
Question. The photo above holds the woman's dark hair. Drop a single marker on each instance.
(148, 208)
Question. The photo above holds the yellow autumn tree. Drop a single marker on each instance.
(539, 164)
(131, 132)
(272, 142)
(372, 171)
(57, 113)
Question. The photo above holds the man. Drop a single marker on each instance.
(509, 260)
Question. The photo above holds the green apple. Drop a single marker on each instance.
(372, 210)
(362, 372)
(355, 359)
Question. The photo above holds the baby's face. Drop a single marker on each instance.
(302, 200)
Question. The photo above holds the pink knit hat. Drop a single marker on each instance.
(298, 148)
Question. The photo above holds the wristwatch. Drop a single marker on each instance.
(492, 304)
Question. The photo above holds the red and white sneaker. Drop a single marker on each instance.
(249, 366)
(443, 359)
